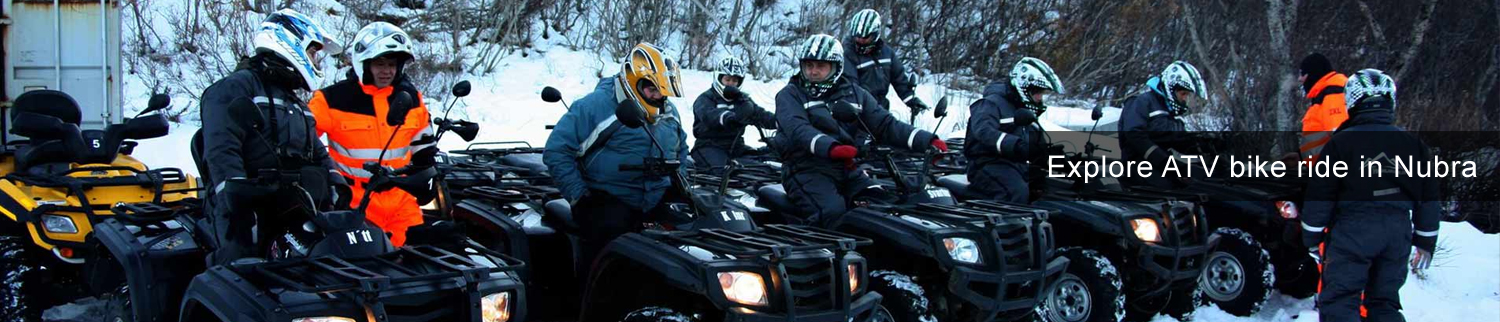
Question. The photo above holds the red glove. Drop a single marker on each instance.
(844, 153)
(940, 145)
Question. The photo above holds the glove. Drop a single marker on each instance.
(917, 106)
(1025, 117)
(342, 196)
(940, 145)
(844, 153)
(1421, 259)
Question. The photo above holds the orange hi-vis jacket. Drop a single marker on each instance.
(1325, 115)
(353, 115)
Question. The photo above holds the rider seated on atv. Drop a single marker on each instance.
(1151, 128)
(585, 154)
(1002, 135)
(239, 148)
(721, 114)
(353, 113)
(818, 149)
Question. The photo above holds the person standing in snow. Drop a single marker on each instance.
(245, 210)
(1324, 87)
(589, 145)
(819, 150)
(352, 112)
(1151, 128)
(1003, 134)
(875, 66)
(1371, 221)
(721, 115)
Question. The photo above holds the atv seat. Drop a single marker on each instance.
(958, 184)
(532, 162)
(559, 214)
(50, 120)
(774, 197)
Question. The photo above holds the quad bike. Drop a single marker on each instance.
(334, 266)
(58, 186)
(706, 260)
(1149, 248)
(932, 258)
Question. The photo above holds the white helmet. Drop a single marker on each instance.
(729, 66)
(1369, 83)
(1031, 73)
(822, 47)
(379, 39)
(1182, 75)
(289, 34)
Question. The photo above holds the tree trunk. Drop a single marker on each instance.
(1280, 17)
(1418, 34)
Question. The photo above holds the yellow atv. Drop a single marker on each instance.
(57, 185)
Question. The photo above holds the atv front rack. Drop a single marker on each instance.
(777, 241)
(513, 193)
(371, 275)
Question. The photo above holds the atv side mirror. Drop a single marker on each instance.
(461, 89)
(158, 102)
(1098, 112)
(551, 95)
(1025, 117)
(246, 114)
(401, 104)
(733, 93)
(844, 111)
(630, 114)
(942, 108)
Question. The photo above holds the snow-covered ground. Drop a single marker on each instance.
(1463, 285)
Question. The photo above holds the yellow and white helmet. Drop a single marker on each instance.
(647, 65)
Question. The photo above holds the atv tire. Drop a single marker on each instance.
(1088, 291)
(1298, 276)
(1238, 275)
(20, 299)
(901, 296)
(655, 314)
(1184, 302)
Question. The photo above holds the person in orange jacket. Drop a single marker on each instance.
(352, 113)
(1324, 87)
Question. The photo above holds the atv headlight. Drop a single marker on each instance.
(743, 287)
(962, 249)
(59, 224)
(854, 278)
(323, 319)
(1288, 209)
(1146, 229)
(496, 307)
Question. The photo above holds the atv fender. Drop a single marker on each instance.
(157, 263)
(497, 223)
(907, 236)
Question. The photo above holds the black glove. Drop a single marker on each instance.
(917, 106)
(1025, 117)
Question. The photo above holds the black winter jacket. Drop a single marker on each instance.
(809, 131)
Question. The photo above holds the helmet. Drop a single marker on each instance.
(1369, 83)
(289, 34)
(379, 39)
(822, 47)
(865, 23)
(1031, 73)
(648, 65)
(729, 66)
(1181, 75)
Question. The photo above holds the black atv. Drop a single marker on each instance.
(1149, 248)
(336, 266)
(707, 260)
(932, 258)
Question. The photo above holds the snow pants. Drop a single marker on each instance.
(1369, 253)
(998, 182)
(824, 197)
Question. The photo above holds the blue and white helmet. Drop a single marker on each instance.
(289, 34)
(729, 66)
(1369, 83)
(1181, 75)
(1031, 74)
